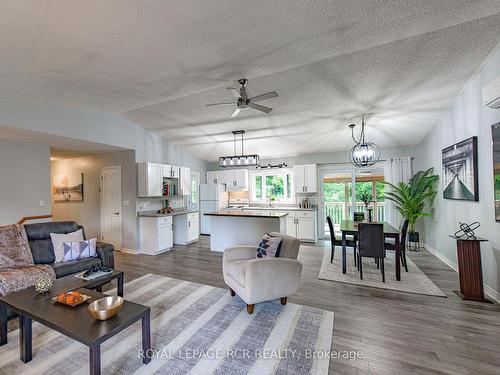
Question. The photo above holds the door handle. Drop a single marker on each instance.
(189, 224)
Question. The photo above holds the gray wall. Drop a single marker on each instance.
(87, 213)
(25, 180)
(467, 117)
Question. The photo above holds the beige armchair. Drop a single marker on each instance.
(257, 280)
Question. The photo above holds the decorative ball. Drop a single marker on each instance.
(43, 285)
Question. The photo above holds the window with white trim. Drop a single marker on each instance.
(275, 185)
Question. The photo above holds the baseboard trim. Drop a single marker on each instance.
(489, 291)
(128, 251)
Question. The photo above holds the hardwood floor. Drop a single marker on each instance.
(398, 333)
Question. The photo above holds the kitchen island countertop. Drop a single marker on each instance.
(247, 213)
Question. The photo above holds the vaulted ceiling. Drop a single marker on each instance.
(158, 63)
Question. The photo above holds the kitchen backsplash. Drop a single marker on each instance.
(154, 204)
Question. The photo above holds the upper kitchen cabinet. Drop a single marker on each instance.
(212, 177)
(150, 179)
(185, 181)
(306, 178)
(217, 177)
(237, 180)
(234, 179)
(170, 171)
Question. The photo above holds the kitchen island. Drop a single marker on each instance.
(231, 228)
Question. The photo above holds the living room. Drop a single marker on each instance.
(250, 187)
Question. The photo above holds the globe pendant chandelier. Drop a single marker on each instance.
(363, 154)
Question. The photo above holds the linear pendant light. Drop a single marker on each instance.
(238, 160)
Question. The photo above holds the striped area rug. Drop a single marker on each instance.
(196, 329)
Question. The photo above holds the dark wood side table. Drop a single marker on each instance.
(469, 268)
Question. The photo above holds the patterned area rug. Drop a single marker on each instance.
(196, 329)
(413, 281)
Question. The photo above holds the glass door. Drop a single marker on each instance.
(336, 199)
(343, 192)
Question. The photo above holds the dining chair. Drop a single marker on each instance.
(337, 241)
(390, 245)
(371, 245)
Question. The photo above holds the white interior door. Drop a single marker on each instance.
(111, 209)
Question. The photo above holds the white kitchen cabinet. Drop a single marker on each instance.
(221, 177)
(211, 177)
(156, 234)
(150, 179)
(237, 180)
(186, 228)
(217, 177)
(170, 171)
(299, 223)
(176, 171)
(185, 181)
(234, 179)
(306, 229)
(291, 226)
(306, 178)
(166, 171)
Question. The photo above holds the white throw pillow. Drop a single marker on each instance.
(58, 241)
(80, 250)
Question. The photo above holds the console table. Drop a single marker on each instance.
(469, 268)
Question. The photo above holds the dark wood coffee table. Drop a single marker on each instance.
(64, 284)
(77, 323)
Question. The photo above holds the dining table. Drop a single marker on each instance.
(350, 228)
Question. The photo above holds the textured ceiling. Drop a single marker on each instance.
(159, 62)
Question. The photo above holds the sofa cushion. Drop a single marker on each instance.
(14, 248)
(40, 242)
(73, 266)
(79, 249)
(19, 278)
(236, 269)
(58, 240)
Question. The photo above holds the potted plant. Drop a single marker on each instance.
(366, 197)
(412, 198)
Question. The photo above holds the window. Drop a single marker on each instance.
(276, 185)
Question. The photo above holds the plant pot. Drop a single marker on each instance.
(414, 237)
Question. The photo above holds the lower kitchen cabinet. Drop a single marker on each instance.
(186, 228)
(156, 234)
(300, 224)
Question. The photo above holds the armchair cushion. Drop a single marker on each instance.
(271, 278)
(289, 245)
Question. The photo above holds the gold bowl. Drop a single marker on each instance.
(105, 308)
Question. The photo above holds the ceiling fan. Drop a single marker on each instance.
(244, 102)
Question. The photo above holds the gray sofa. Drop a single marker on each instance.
(43, 252)
(40, 244)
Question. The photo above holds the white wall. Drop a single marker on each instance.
(98, 127)
(467, 117)
(332, 157)
(87, 213)
(25, 180)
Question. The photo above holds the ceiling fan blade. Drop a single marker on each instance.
(267, 95)
(259, 107)
(235, 113)
(225, 103)
(233, 92)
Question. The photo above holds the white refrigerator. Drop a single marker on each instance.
(213, 197)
